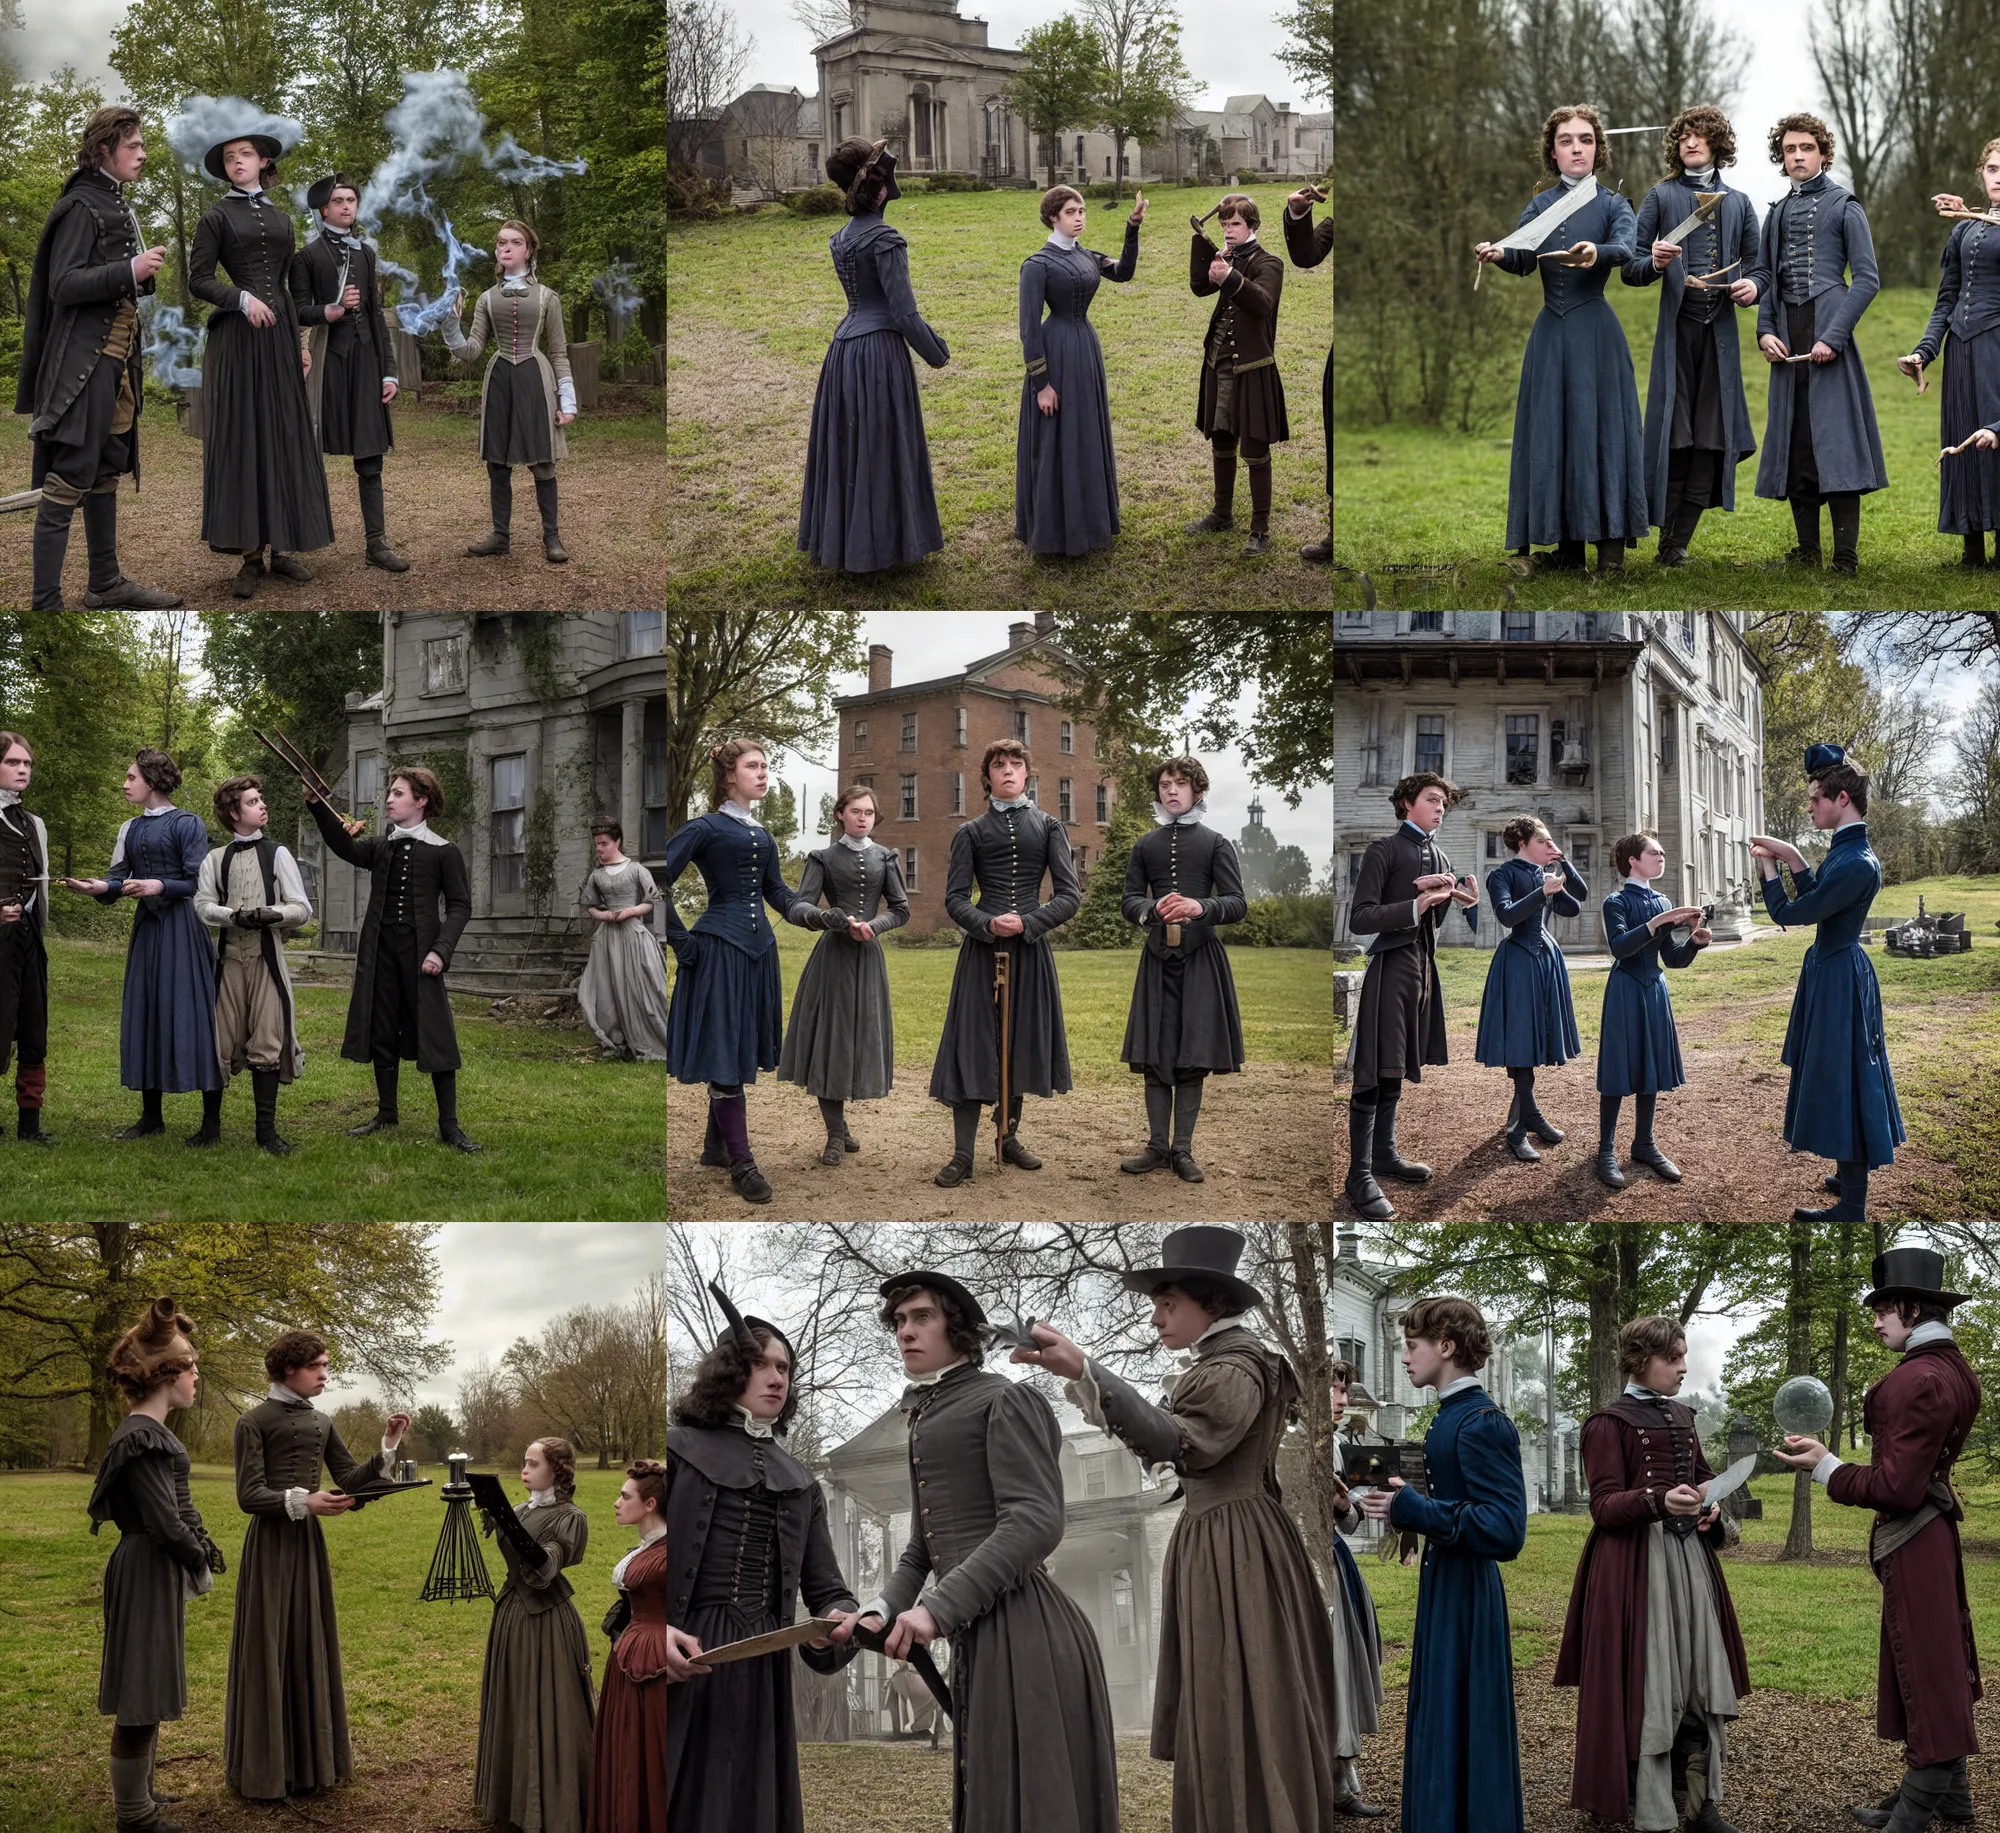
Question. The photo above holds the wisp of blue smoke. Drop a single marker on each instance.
(170, 343)
(205, 119)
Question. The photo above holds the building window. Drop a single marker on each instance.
(1517, 626)
(1687, 632)
(958, 728)
(509, 822)
(1021, 724)
(1524, 739)
(1354, 1350)
(909, 783)
(653, 797)
(1082, 860)
(1065, 811)
(1431, 621)
(861, 735)
(444, 664)
(909, 868)
(1578, 852)
(368, 779)
(1068, 742)
(909, 739)
(641, 633)
(1495, 847)
(1035, 791)
(958, 792)
(1430, 742)
(864, 782)
(1124, 1609)
(1095, 1482)
(1103, 800)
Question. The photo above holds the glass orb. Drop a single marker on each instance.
(1803, 1406)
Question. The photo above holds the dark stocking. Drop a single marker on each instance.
(1159, 1113)
(1805, 522)
(445, 1084)
(1644, 1107)
(385, 1089)
(732, 1122)
(1607, 1122)
(1845, 508)
(965, 1129)
(1187, 1110)
(1260, 499)
(1225, 483)
(833, 1115)
(500, 484)
(1975, 548)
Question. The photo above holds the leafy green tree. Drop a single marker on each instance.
(1060, 85)
(1144, 84)
(433, 1433)
(1101, 923)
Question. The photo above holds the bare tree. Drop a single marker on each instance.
(1675, 53)
(767, 122)
(824, 19)
(1143, 84)
(707, 54)
(1862, 79)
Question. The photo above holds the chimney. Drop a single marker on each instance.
(1349, 1241)
(1019, 636)
(880, 655)
(1045, 623)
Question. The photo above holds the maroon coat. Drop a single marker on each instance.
(1918, 1416)
(1631, 1460)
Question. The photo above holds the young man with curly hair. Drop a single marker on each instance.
(1697, 419)
(1821, 443)
(24, 918)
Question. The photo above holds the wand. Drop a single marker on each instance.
(1003, 990)
(1964, 445)
(296, 761)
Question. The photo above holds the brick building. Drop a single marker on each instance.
(918, 747)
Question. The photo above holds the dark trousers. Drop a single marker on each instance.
(368, 483)
(392, 1017)
(24, 1007)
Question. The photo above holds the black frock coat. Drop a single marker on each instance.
(349, 355)
(1308, 244)
(418, 877)
(1186, 983)
(1243, 329)
(1401, 1023)
(1005, 853)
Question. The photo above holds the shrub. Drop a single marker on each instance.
(952, 181)
(1284, 922)
(689, 194)
(818, 200)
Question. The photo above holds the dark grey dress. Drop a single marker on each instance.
(534, 1693)
(841, 1042)
(1031, 1717)
(160, 1560)
(1183, 1014)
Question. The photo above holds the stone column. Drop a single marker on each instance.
(631, 764)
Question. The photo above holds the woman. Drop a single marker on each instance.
(163, 1557)
(628, 1757)
(534, 1694)
(748, 1525)
(1525, 1015)
(724, 1023)
(166, 1037)
(1968, 306)
(1065, 477)
(623, 992)
(527, 397)
(841, 1043)
(263, 482)
(1638, 1049)
(868, 500)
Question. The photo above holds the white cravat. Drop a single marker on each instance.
(1458, 1387)
(853, 845)
(645, 1541)
(736, 811)
(1570, 183)
(937, 1374)
(998, 806)
(8, 797)
(753, 1427)
(1062, 240)
(1188, 819)
(422, 831)
(542, 1498)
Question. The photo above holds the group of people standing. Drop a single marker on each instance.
(1003, 1035)
(552, 1757)
(1588, 468)
(869, 502)
(299, 365)
(1841, 1100)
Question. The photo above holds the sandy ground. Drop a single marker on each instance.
(1256, 1144)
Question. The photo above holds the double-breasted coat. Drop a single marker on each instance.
(1526, 1016)
(1700, 323)
(1918, 1417)
(1842, 1100)
(1633, 1453)
(1400, 1025)
(1243, 333)
(724, 1024)
(1308, 244)
(840, 1043)
(1183, 1018)
(351, 355)
(1967, 313)
(1638, 1048)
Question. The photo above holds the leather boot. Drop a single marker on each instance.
(1844, 510)
(1852, 1179)
(244, 585)
(713, 1153)
(1320, 553)
(1260, 512)
(1012, 1151)
(264, 1086)
(1710, 1820)
(1922, 1794)
(1361, 1188)
(444, 1085)
(545, 500)
(1538, 1124)
(109, 587)
(210, 1130)
(386, 1112)
(1387, 1160)
(368, 485)
(28, 1127)
(1517, 1132)
(290, 566)
(51, 543)
(500, 489)
(1610, 558)
(1222, 517)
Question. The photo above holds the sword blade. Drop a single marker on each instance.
(814, 1629)
(1709, 204)
(1738, 1474)
(1534, 234)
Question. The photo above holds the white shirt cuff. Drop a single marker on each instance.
(295, 1504)
(878, 1607)
(566, 394)
(1086, 1396)
(1825, 1467)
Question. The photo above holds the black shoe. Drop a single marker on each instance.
(374, 1125)
(28, 1128)
(1320, 553)
(272, 1143)
(848, 1143)
(1847, 565)
(1354, 1808)
(1830, 1184)
(495, 543)
(1539, 1125)
(1150, 1158)
(1657, 1162)
(1018, 1155)
(207, 1134)
(129, 593)
(290, 566)
(141, 1129)
(835, 1154)
(1837, 1212)
(1185, 1168)
(1558, 560)
(244, 585)
(1807, 557)
(1605, 1166)
(381, 554)
(454, 1137)
(1517, 1143)
(1258, 543)
(956, 1170)
(1670, 556)
(1212, 524)
(1710, 1820)
(751, 1184)
(553, 550)
(1876, 1816)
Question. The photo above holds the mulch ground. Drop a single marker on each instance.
(1254, 1144)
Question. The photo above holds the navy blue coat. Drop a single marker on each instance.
(1461, 1746)
(1666, 204)
(1847, 444)
(1525, 1015)
(1638, 1050)
(166, 1035)
(1578, 469)
(1842, 1101)
(1968, 309)
(725, 1022)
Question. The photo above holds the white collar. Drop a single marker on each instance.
(645, 1541)
(1233, 1322)
(422, 831)
(998, 806)
(1459, 1386)
(1193, 815)
(254, 193)
(737, 812)
(1062, 239)
(851, 844)
(1422, 833)
(1638, 883)
(611, 865)
(1929, 1332)
(542, 1498)
(246, 838)
(659, 1533)
(165, 808)
(1570, 184)
(285, 1397)
(937, 1374)
(1700, 175)
(8, 797)
(1640, 1391)
(753, 1427)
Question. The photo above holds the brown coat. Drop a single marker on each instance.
(1400, 1026)
(516, 325)
(1243, 329)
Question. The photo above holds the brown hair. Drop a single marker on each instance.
(229, 799)
(1574, 111)
(1457, 1321)
(8, 740)
(296, 1349)
(104, 133)
(1053, 200)
(1625, 850)
(711, 1395)
(1404, 796)
(1205, 1293)
(1915, 1311)
(528, 235)
(1850, 777)
(1986, 152)
(1801, 124)
(1523, 828)
(1188, 769)
(1002, 747)
(160, 772)
(851, 157)
(853, 793)
(424, 784)
(1643, 1339)
(156, 1349)
(958, 1329)
(1711, 124)
(650, 1474)
(1342, 1373)
(612, 828)
(722, 761)
(1236, 204)
(561, 1455)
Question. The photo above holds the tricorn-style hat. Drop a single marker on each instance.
(879, 164)
(321, 193)
(212, 160)
(1911, 1273)
(975, 1315)
(1824, 757)
(1203, 1252)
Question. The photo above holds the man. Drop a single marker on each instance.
(24, 959)
(1241, 403)
(1697, 419)
(1842, 1100)
(285, 1724)
(1005, 853)
(1309, 243)
(1181, 882)
(1821, 444)
(350, 367)
(399, 1007)
(1406, 881)
(81, 374)
(251, 891)
(1030, 1714)
(1918, 1417)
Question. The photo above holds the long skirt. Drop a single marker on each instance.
(1969, 484)
(1578, 470)
(968, 1054)
(869, 502)
(533, 1771)
(732, 1746)
(1525, 1014)
(841, 1042)
(724, 1023)
(1183, 1015)
(263, 482)
(166, 1031)
(514, 423)
(1638, 1049)
(1065, 475)
(142, 1677)
(628, 1757)
(1842, 1100)
(623, 992)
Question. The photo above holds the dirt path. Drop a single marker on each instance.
(1255, 1144)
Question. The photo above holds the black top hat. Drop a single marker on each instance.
(321, 193)
(1203, 1252)
(1824, 757)
(1913, 1273)
(938, 1282)
(212, 159)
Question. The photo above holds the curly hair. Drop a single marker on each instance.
(847, 167)
(155, 1350)
(561, 1456)
(229, 798)
(1188, 769)
(1643, 1339)
(1003, 747)
(722, 762)
(1341, 1373)
(958, 1329)
(1626, 849)
(715, 1389)
(650, 1474)
(1457, 1321)
(160, 773)
(1205, 1293)
(294, 1350)
(104, 133)
(1991, 150)
(854, 792)
(1574, 111)
(1404, 796)
(1711, 124)
(1801, 124)
(1522, 829)
(424, 783)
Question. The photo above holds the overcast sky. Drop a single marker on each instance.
(73, 32)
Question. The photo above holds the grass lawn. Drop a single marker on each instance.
(1427, 497)
(566, 1136)
(752, 302)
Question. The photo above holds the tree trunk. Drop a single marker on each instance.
(1549, 1410)
(1117, 168)
(1630, 1244)
(1602, 1283)
(113, 1313)
(1322, 1462)
(1843, 1286)
(1798, 1361)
